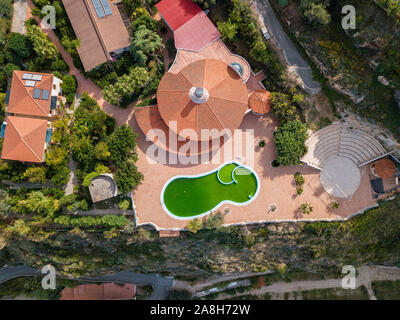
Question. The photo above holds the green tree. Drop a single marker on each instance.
(5, 8)
(205, 4)
(146, 41)
(290, 142)
(214, 221)
(121, 143)
(101, 151)
(69, 87)
(127, 84)
(42, 45)
(317, 15)
(228, 30)
(20, 44)
(36, 174)
(283, 106)
(127, 177)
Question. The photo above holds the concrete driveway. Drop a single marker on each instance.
(294, 59)
(19, 16)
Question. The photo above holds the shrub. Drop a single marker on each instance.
(306, 208)
(299, 191)
(214, 221)
(298, 179)
(195, 225)
(334, 204)
(228, 30)
(36, 174)
(61, 177)
(124, 204)
(290, 142)
(20, 44)
(69, 88)
(261, 144)
(127, 177)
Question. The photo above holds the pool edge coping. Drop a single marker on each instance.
(241, 204)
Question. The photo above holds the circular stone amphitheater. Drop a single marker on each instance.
(338, 151)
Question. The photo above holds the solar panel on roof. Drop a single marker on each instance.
(98, 8)
(29, 83)
(36, 93)
(45, 94)
(27, 76)
(106, 7)
(37, 77)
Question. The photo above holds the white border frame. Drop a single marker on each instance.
(241, 204)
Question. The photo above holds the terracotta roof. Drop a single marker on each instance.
(260, 101)
(196, 34)
(98, 36)
(224, 108)
(21, 97)
(104, 291)
(148, 118)
(177, 12)
(24, 139)
(384, 168)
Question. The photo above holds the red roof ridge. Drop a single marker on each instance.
(216, 117)
(27, 92)
(22, 139)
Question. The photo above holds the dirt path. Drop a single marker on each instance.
(366, 275)
(184, 285)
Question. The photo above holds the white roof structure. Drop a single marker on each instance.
(338, 151)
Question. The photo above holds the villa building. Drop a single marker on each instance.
(30, 105)
(100, 28)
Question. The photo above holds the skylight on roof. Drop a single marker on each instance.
(29, 83)
(37, 77)
(106, 7)
(36, 93)
(27, 76)
(45, 94)
(98, 8)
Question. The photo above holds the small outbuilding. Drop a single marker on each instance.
(103, 187)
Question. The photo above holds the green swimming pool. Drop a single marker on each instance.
(186, 197)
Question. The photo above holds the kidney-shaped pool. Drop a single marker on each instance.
(187, 197)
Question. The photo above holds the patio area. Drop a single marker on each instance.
(276, 185)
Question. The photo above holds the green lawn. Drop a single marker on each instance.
(190, 197)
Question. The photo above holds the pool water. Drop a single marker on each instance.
(188, 197)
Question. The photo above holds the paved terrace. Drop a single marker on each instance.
(276, 183)
(277, 186)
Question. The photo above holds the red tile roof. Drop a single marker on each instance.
(177, 12)
(225, 107)
(104, 291)
(148, 118)
(24, 139)
(196, 34)
(193, 30)
(98, 36)
(260, 101)
(384, 168)
(21, 97)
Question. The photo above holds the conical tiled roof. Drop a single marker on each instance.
(224, 107)
(260, 101)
